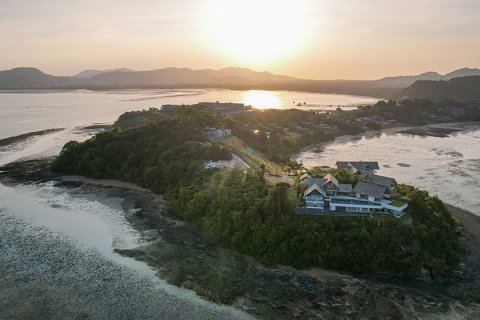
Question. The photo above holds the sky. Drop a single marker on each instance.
(315, 39)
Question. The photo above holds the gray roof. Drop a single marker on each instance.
(312, 188)
(330, 178)
(370, 189)
(383, 181)
(305, 176)
(358, 165)
(318, 181)
(345, 187)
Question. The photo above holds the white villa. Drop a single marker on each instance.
(372, 193)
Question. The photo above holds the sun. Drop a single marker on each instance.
(255, 31)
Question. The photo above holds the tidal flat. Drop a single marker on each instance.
(176, 254)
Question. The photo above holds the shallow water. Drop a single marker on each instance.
(58, 246)
(45, 274)
(57, 258)
(28, 111)
(448, 167)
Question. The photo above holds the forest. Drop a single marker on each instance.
(241, 211)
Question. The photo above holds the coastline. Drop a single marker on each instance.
(391, 130)
(187, 259)
(14, 139)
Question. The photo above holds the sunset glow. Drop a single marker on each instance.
(257, 31)
(261, 99)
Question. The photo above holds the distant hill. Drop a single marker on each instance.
(227, 78)
(460, 89)
(92, 72)
(405, 81)
(464, 72)
(32, 78)
(185, 77)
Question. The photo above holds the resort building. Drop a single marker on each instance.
(358, 167)
(222, 108)
(371, 194)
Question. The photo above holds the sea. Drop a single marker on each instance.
(57, 258)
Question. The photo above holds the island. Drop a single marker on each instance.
(252, 215)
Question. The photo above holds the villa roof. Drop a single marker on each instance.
(318, 181)
(305, 176)
(345, 187)
(330, 178)
(383, 181)
(370, 189)
(357, 165)
(314, 187)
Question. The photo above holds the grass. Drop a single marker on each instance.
(397, 203)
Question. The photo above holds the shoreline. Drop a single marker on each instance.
(391, 130)
(14, 139)
(187, 259)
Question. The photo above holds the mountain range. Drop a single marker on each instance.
(405, 81)
(92, 72)
(228, 78)
(462, 88)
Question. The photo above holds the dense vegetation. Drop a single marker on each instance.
(258, 219)
(290, 130)
(136, 118)
(244, 213)
(461, 89)
(280, 133)
(162, 156)
(418, 112)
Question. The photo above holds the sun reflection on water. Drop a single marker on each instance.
(261, 99)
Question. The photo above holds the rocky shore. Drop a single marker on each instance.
(22, 137)
(185, 258)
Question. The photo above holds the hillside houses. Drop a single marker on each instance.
(372, 193)
(357, 167)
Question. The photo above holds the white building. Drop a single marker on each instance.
(327, 195)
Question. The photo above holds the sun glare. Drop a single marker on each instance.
(258, 30)
(261, 99)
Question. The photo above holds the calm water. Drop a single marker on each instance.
(448, 167)
(57, 262)
(57, 247)
(22, 112)
(57, 258)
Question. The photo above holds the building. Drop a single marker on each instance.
(358, 167)
(327, 195)
(223, 108)
(218, 133)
